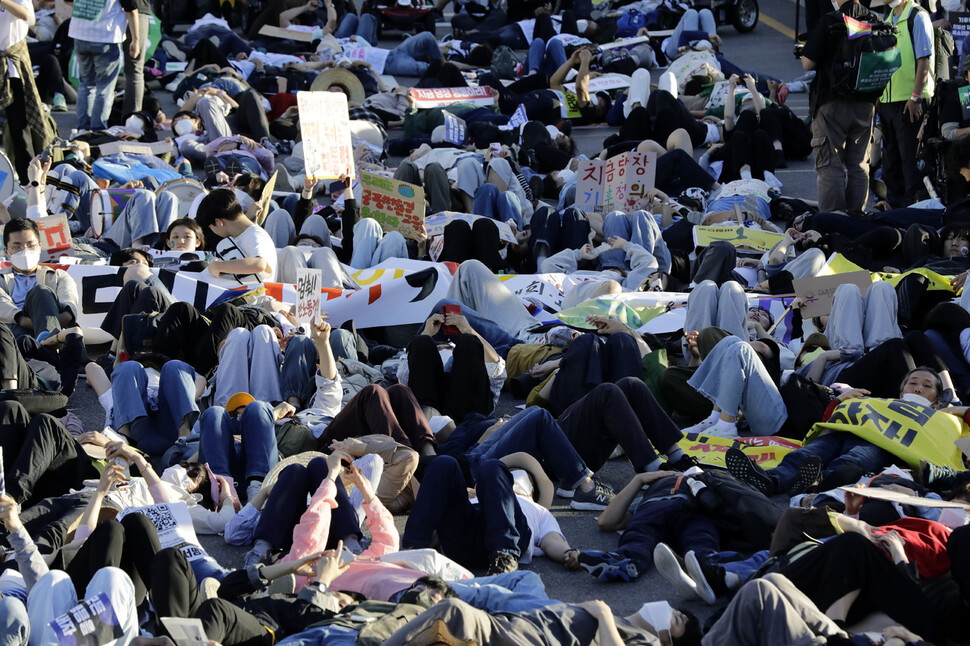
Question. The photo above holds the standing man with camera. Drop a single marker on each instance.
(841, 118)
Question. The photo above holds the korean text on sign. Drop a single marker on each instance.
(325, 125)
(398, 206)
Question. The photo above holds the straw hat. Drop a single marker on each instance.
(300, 458)
(542, 490)
(343, 79)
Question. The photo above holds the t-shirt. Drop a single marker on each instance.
(13, 30)
(254, 242)
(956, 107)
(541, 522)
(21, 285)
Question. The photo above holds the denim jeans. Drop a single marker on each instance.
(737, 564)
(518, 591)
(229, 42)
(834, 450)
(14, 622)
(476, 287)
(329, 635)
(144, 215)
(725, 307)
(154, 431)
(249, 362)
(469, 534)
(639, 228)
(299, 366)
(365, 27)
(99, 65)
(411, 58)
(545, 58)
(536, 432)
(692, 20)
(489, 202)
(372, 246)
(254, 456)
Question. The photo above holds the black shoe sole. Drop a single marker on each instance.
(741, 467)
(808, 476)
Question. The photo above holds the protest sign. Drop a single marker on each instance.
(173, 523)
(90, 623)
(376, 56)
(454, 129)
(589, 185)
(308, 282)
(265, 197)
(440, 97)
(710, 450)
(743, 238)
(626, 180)
(185, 632)
(889, 495)
(604, 83)
(55, 236)
(818, 291)
(325, 128)
(286, 34)
(397, 205)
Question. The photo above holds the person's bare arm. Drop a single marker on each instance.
(555, 546)
(331, 25)
(617, 514)
(239, 266)
(287, 17)
(808, 64)
(320, 334)
(559, 77)
(818, 366)
(582, 76)
(606, 630)
(729, 103)
(19, 12)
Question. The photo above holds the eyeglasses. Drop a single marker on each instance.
(17, 247)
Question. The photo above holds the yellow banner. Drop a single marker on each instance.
(741, 237)
(710, 450)
(839, 264)
(910, 431)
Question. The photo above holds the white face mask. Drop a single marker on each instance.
(917, 399)
(134, 124)
(894, 3)
(184, 127)
(565, 175)
(657, 614)
(25, 260)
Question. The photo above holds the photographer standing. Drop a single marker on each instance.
(841, 120)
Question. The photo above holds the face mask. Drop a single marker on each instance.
(916, 399)
(565, 175)
(184, 127)
(25, 260)
(243, 198)
(177, 476)
(657, 614)
(134, 124)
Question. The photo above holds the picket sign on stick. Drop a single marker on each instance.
(308, 282)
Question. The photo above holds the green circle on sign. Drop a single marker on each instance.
(406, 191)
(154, 39)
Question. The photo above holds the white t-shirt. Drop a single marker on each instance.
(13, 30)
(541, 522)
(254, 242)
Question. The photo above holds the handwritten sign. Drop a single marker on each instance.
(90, 623)
(442, 96)
(604, 83)
(623, 183)
(589, 185)
(308, 282)
(743, 238)
(325, 126)
(397, 205)
(55, 236)
(376, 56)
(818, 291)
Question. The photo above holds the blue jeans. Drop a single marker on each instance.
(518, 591)
(254, 456)
(536, 432)
(639, 228)
(737, 564)
(469, 534)
(489, 202)
(229, 42)
(14, 622)
(365, 26)
(834, 450)
(99, 65)
(299, 366)
(329, 635)
(692, 20)
(154, 432)
(411, 58)
(545, 58)
(500, 340)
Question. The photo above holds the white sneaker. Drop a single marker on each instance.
(700, 427)
(727, 431)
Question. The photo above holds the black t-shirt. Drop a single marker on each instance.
(823, 45)
(956, 106)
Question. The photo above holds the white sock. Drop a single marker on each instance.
(725, 426)
(745, 173)
(715, 415)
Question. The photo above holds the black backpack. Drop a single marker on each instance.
(862, 66)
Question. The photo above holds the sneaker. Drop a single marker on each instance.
(233, 167)
(745, 470)
(285, 584)
(270, 146)
(252, 489)
(708, 579)
(212, 167)
(609, 566)
(671, 567)
(935, 477)
(183, 167)
(809, 474)
(174, 83)
(685, 462)
(596, 499)
(502, 562)
(727, 431)
(700, 427)
(565, 492)
(261, 549)
(60, 103)
(209, 588)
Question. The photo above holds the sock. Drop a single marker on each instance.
(653, 465)
(726, 426)
(745, 173)
(714, 416)
(674, 453)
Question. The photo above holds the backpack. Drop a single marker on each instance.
(504, 61)
(943, 46)
(862, 66)
(630, 23)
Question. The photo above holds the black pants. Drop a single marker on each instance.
(899, 147)
(677, 171)
(715, 262)
(662, 115)
(589, 362)
(478, 241)
(12, 363)
(558, 230)
(130, 545)
(436, 184)
(393, 412)
(882, 369)
(249, 118)
(464, 390)
(287, 503)
(19, 133)
(624, 413)
(48, 461)
(61, 367)
(749, 143)
(850, 562)
(49, 521)
(135, 298)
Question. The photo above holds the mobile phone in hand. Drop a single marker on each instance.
(445, 311)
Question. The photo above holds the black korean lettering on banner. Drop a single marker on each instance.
(90, 304)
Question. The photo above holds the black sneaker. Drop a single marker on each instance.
(501, 563)
(685, 462)
(809, 474)
(745, 470)
(609, 566)
(596, 499)
(708, 578)
(936, 477)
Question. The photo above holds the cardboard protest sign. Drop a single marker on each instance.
(454, 129)
(55, 236)
(325, 126)
(185, 632)
(397, 205)
(604, 83)
(904, 499)
(743, 238)
(818, 291)
(626, 180)
(589, 185)
(137, 147)
(440, 97)
(265, 197)
(90, 623)
(286, 34)
(308, 283)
